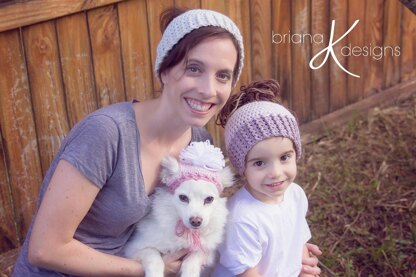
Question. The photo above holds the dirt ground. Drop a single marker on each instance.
(361, 184)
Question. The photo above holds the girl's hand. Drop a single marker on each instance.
(173, 262)
(310, 264)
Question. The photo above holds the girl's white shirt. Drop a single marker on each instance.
(270, 237)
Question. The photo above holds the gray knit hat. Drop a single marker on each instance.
(191, 20)
(254, 122)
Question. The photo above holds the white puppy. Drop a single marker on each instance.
(187, 212)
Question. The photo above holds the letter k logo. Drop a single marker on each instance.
(330, 50)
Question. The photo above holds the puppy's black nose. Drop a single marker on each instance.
(195, 221)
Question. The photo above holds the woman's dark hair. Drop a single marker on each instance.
(265, 90)
(189, 41)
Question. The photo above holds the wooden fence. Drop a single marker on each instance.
(60, 60)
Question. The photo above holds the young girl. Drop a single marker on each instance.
(267, 230)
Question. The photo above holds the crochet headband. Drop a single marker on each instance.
(254, 122)
(192, 20)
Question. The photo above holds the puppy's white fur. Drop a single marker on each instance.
(156, 233)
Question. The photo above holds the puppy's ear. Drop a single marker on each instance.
(169, 169)
(227, 177)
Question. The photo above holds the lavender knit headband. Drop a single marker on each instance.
(255, 122)
(192, 20)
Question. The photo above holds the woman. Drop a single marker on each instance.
(98, 185)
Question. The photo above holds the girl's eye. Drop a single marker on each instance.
(285, 157)
(208, 200)
(184, 198)
(258, 163)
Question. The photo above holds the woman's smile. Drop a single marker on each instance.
(198, 106)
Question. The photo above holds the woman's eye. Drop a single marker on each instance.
(193, 69)
(209, 200)
(224, 76)
(184, 198)
(285, 157)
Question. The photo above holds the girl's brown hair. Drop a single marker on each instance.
(181, 49)
(265, 90)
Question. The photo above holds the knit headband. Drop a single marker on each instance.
(199, 161)
(254, 122)
(192, 20)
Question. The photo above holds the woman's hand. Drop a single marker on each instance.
(310, 264)
(173, 262)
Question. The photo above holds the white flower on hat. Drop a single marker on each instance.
(203, 154)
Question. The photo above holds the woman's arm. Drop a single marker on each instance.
(310, 262)
(52, 245)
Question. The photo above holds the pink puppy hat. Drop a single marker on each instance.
(198, 161)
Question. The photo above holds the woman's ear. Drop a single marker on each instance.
(164, 78)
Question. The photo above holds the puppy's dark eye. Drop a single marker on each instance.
(208, 200)
(184, 198)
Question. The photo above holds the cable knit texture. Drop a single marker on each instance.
(192, 20)
(255, 122)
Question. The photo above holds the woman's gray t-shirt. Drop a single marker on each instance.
(104, 147)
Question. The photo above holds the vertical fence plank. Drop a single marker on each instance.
(373, 78)
(137, 65)
(320, 29)
(408, 45)
(9, 238)
(391, 40)
(301, 55)
(77, 69)
(20, 147)
(154, 9)
(261, 45)
(217, 5)
(338, 78)
(356, 11)
(188, 4)
(46, 87)
(281, 47)
(105, 41)
(240, 14)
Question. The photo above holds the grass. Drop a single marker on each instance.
(361, 184)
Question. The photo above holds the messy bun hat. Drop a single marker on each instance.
(192, 20)
(254, 122)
